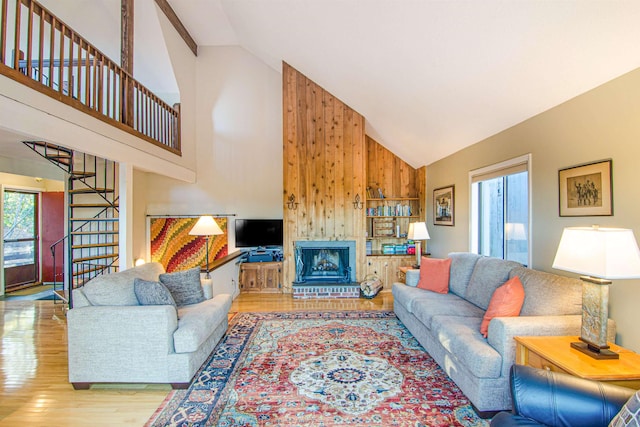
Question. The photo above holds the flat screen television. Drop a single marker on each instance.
(258, 232)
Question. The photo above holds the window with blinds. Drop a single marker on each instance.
(500, 206)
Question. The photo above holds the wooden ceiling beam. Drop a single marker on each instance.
(177, 24)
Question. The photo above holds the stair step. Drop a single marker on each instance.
(94, 219)
(90, 190)
(82, 174)
(95, 257)
(95, 245)
(44, 144)
(90, 270)
(94, 205)
(93, 233)
(58, 157)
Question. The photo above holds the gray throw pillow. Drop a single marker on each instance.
(152, 293)
(184, 286)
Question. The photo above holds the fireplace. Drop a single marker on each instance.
(326, 262)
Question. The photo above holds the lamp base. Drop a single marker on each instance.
(594, 351)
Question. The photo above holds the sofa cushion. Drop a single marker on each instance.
(434, 304)
(197, 321)
(408, 295)
(117, 288)
(465, 346)
(506, 301)
(152, 293)
(462, 265)
(488, 274)
(547, 294)
(185, 286)
(412, 277)
(434, 274)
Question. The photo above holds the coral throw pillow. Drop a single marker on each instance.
(434, 274)
(506, 301)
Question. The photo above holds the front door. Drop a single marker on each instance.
(20, 238)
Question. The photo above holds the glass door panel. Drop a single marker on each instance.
(20, 238)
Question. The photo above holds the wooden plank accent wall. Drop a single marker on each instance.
(394, 176)
(324, 168)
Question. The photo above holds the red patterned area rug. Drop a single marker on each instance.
(318, 369)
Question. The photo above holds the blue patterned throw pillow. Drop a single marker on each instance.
(184, 286)
(629, 415)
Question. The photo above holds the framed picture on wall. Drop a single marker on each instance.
(443, 206)
(586, 190)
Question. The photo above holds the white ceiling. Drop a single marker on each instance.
(432, 77)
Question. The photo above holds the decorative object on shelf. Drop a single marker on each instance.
(417, 232)
(357, 203)
(370, 287)
(291, 202)
(383, 227)
(380, 193)
(586, 190)
(443, 205)
(206, 226)
(601, 254)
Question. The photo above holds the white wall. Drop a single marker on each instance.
(600, 124)
(238, 143)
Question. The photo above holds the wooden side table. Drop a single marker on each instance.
(555, 354)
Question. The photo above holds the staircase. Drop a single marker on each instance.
(90, 247)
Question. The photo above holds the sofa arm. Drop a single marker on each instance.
(502, 331)
(554, 399)
(106, 339)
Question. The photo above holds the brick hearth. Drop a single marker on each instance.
(326, 290)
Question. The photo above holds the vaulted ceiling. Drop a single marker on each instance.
(432, 77)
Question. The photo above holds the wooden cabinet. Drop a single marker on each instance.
(386, 267)
(265, 277)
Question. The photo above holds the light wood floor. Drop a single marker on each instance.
(33, 365)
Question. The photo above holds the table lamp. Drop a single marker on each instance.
(206, 226)
(599, 254)
(417, 232)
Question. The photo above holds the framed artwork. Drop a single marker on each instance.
(586, 190)
(171, 244)
(443, 205)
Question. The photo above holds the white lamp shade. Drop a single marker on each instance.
(206, 226)
(606, 253)
(418, 231)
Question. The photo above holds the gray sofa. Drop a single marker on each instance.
(448, 325)
(114, 339)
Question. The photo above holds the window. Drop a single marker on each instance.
(500, 201)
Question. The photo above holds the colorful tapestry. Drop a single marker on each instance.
(318, 369)
(173, 247)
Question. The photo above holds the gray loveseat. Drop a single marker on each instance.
(114, 339)
(448, 325)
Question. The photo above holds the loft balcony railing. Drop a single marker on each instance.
(38, 50)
